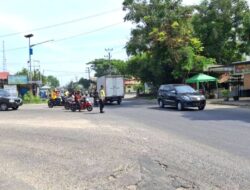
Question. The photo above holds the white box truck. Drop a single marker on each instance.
(113, 86)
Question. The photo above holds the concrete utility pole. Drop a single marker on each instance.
(36, 67)
(4, 59)
(108, 50)
(30, 53)
(88, 70)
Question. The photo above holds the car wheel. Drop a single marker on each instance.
(202, 107)
(15, 108)
(179, 106)
(3, 107)
(161, 104)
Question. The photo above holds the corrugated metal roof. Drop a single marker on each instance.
(4, 75)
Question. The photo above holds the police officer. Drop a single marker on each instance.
(101, 98)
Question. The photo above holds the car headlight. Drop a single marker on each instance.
(186, 98)
(11, 100)
(203, 97)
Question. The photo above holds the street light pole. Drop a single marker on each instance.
(109, 58)
(30, 53)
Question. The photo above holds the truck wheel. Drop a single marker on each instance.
(119, 101)
(3, 107)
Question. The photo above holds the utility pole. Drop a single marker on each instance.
(108, 50)
(4, 58)
(30, 53)
(37, 68)
(88, 70)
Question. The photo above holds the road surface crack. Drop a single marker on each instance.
(163, 165)
(182, 184)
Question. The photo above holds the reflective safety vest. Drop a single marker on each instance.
(102, 94)
(53, 95)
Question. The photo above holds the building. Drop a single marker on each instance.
(235, 75)
(3, 79)
(131, 85)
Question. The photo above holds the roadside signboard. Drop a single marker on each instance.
(17, 79)
(12, 89)
(242, 69)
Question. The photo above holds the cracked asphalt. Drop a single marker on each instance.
(132, 146)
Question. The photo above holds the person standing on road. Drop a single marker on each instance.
(101, 98)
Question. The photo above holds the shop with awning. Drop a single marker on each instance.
(201, 78)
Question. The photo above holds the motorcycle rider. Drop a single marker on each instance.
(78, 97)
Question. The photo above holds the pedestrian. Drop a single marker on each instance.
(101, 99)
(95, 95)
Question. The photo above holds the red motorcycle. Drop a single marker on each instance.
(81, 105)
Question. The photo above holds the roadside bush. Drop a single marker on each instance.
(30, 98)
(225, 93)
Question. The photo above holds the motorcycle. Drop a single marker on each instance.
(68, 102)
(82, 105)
(56, 102)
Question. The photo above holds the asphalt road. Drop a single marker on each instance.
(132, 146)
(223, 127)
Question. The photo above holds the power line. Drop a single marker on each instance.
(90, 32)
(69, 72)
(60, 24)
(74, 36)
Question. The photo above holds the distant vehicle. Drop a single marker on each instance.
(180, 96)
(7, 101)
(113, 86)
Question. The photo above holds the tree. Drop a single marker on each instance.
(223, 27)
(163, 46)
(106, 67)
(53, 81)
(36, 75)
(84, 82)
(23, 72)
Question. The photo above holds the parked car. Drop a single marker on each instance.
(7, 101)
(180, 96)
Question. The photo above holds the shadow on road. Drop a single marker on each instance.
(172, 109)
(217, 114)
(130, 103)
(220, 114)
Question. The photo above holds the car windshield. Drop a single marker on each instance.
(184, 89)
(4, 93)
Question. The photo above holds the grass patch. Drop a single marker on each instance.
(29, 98)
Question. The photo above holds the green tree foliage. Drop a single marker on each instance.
(84, 82)
(23, 72)
(36, 75)
(106, 67)
(53, 81)
(224, 29)
(162, 46)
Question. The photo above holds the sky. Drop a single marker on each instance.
(71, 34)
